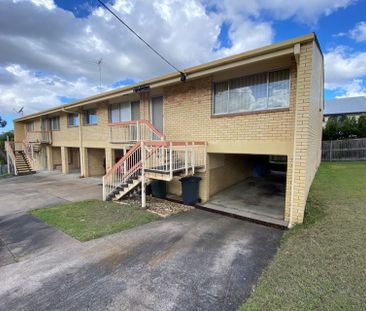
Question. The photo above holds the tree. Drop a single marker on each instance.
(332, 129)
(361, 125)
(2, 122)
(3, 138)
(349, 128)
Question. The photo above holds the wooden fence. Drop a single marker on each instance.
(344, 150)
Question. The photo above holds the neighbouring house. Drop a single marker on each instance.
(346, 106)
(249, 125)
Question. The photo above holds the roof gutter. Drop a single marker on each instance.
(273, 50)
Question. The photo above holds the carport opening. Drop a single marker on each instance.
(96, 162)
(118, 154)
(252, 186)
(74, 160)
(56, 159)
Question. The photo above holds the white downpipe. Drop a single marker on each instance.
(186, 158)
(143, 190)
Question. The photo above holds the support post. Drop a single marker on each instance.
(137, 130)
(143, 190)
(171, 160)
(65, 159)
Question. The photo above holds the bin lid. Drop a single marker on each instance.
(190, 179)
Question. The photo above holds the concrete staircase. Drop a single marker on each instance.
(23, 166)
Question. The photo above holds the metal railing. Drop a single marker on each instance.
(155, 156)
(133, 131)
(170, 157)
(39, 137)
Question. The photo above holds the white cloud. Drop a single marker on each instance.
(63, 50)
(358, 33)
(343, 66)
(48, 4)
(353, 89)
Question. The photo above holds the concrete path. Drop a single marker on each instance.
(193, 261)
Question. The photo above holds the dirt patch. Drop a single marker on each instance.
(163, 208)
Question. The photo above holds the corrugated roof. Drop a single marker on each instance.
(346, 105)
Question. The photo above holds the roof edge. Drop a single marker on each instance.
(175, 75)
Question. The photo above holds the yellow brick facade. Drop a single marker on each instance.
(294, 132)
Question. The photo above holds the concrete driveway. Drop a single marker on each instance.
(192, 261)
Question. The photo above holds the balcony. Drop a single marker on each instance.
(40, 137)
(133, 131)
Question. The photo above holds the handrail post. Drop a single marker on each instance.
(143, 190)
(110, 134)
(104, 196)
(138, 130)
(171, 160)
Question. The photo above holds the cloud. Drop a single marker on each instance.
(48, 53)
(343, 66)
(354, 88)
(358, 33)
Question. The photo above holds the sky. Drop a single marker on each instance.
(49, 49)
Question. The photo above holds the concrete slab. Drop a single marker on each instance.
(260, 198)
(193, 261)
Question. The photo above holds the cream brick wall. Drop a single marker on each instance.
(187, 116)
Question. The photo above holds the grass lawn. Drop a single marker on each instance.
(321, 265)
(92, 219)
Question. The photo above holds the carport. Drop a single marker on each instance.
(74, 160)
(96, 162)
(250, 186)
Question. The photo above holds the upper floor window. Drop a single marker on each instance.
(29, 126)
(55, 123)
(90, 117)
(124, 111)
(73, 119)
(268, 90)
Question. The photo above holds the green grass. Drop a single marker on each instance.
(321, 264)
(92, 219)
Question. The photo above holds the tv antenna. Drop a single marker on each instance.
(20, 111)
(99, 63)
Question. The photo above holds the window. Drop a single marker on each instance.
(73, 119)
(124, 112)
(90, 117)
(55, 123)
(29, 127)
(269, 90)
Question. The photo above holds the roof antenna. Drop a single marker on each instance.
(20, 111)
(183, 75)
(99, 63)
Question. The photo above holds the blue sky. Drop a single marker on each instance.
(50, 59)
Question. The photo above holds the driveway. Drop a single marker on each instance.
(193, 261)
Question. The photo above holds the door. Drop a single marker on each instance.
(157, 113)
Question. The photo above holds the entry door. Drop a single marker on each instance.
(157, 113)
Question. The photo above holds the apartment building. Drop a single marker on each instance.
(249, 125)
